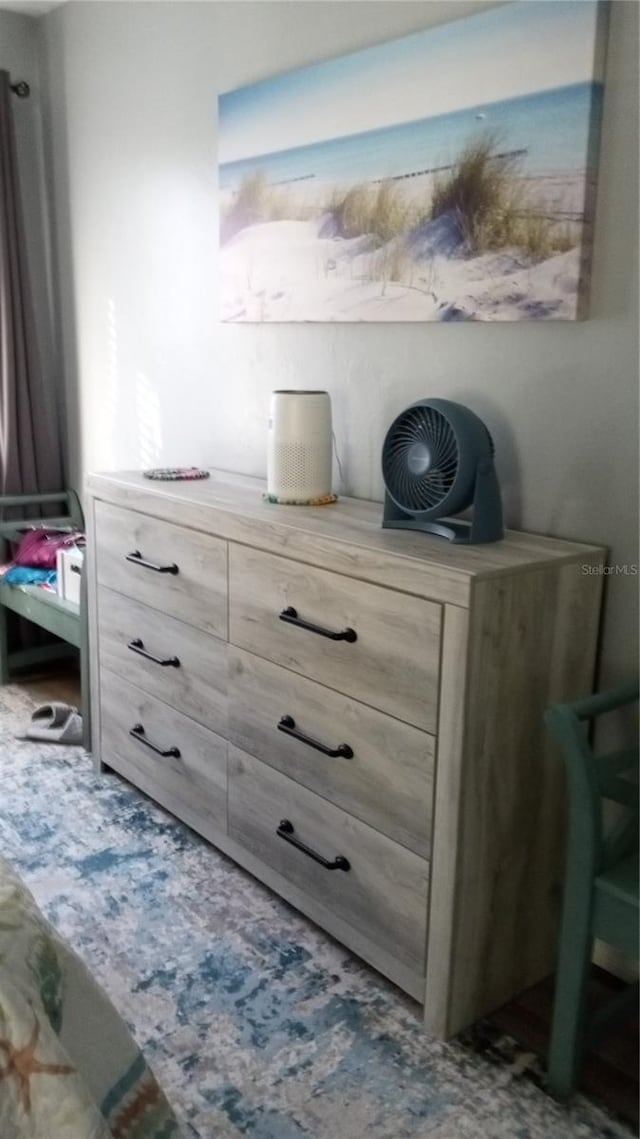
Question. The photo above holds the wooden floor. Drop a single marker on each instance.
(60, 682)
(610, 1074)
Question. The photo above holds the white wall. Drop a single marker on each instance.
(155, 378)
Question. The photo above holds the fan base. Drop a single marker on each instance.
(486, 517)
(456, 532)
(485, 525)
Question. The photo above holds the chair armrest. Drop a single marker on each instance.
(602, 702)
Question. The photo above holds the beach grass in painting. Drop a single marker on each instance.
(449, 175)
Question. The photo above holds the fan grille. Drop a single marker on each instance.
(420, 459)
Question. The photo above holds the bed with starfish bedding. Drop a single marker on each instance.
(69, 1067)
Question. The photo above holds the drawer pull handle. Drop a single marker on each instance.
(138, 560)
(288, 725)
(137, 646)
(137, 731)
(286, 831)
(291, 616)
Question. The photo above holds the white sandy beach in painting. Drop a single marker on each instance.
(284, 270)
(446, 176)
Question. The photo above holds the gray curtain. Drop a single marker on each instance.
(30, 445)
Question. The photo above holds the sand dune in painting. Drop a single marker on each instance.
(407, 248)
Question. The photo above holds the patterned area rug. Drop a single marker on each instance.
(255, 1022)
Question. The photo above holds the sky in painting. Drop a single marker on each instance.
(511, 50)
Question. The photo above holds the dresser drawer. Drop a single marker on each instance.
(195, 680)
(136, 727)
(178, 571)
(383, 893)
(392, 664)
(384, 774)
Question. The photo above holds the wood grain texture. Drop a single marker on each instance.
(192, 786)
(95, 662)
(393, 665)
(198, 687)
(383, 895)
(532, 641)
(387, 783)
(197, 594)
(346, 537)
(446, 827)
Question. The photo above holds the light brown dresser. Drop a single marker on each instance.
(353, 714)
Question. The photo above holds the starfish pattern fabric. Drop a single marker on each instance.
(24, 1064)
(69, 1067)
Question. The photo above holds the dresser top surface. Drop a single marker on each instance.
(233, 506)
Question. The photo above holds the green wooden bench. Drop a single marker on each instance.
(65, 620)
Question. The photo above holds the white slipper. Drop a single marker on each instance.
(55, 723)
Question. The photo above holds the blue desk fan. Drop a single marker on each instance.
(437, 460)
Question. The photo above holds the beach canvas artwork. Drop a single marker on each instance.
(448, 175)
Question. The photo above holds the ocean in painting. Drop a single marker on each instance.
(552, 130)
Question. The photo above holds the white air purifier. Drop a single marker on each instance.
(299, 447)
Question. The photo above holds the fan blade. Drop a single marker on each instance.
(423, 491)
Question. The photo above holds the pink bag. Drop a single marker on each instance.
(38, 547)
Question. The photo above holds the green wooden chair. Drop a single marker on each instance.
(66, 621)
(601, 878)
